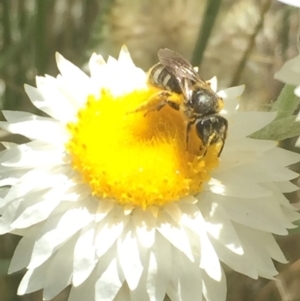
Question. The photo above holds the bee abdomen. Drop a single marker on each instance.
(160, 77)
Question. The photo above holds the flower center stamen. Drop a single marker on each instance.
(136, 159)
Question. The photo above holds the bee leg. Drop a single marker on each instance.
(163, 103)
(187, 133)
(154, 103)
(211, 130)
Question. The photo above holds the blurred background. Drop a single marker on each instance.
(239, 41)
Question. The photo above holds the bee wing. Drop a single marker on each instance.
(178, 65)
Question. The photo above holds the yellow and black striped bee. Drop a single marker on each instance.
(183, 89)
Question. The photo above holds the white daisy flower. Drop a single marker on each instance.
(111, 202)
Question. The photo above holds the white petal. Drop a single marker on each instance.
(8, 145)
(174, 211)
(26, 155)
(77, 95)
(213, 83)
(174, 232)
(61, 262)
(255, 146)
(140, 293)
(58, 229)
(12, 152)
(8, 216)
(214, 290)
(172, 292)
(104, 207)
(240, 263)
(297, 144)
(128, 253)
(112, 63)
(159, 269)
(110, 281)
(51, 88)
(85, 291)
(3, 193)
(282, 157)
(291, 2)
(48, 99)
(109, 230)
(125, 58)
(84, 255)
(23, 251)
(188, 282)
(254, 245)
(264, 170)
(11, 180)
(209, 260)
(260, 214)
(144, 223)
(286, 187)
(34, 279)
(98, 69)
(155, 290)
(297, 93)
(77, 84)
(35, 127)
(272, 246)
(36, 207)
(291, 215)
(232, 184)
(268, 167)
(41, 178)
(240, 129)
(256, 253)
(219, 225)
(289, 72)
(232, 92)
(69, 70)
(96, 64)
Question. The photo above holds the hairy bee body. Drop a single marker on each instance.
(193, 96)
(160, 77)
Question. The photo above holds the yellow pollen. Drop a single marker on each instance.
(136, 159)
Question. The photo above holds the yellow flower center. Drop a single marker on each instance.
(134, 158)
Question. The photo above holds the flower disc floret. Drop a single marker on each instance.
(137, 158)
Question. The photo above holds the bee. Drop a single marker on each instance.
(183, 89)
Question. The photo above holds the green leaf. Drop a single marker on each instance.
(286, 103)
(279, 129)
(284, 125)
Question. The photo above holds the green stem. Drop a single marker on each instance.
(40, 42)
(22, 15)
(210, 16)
(15, 49)
(6, 23)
